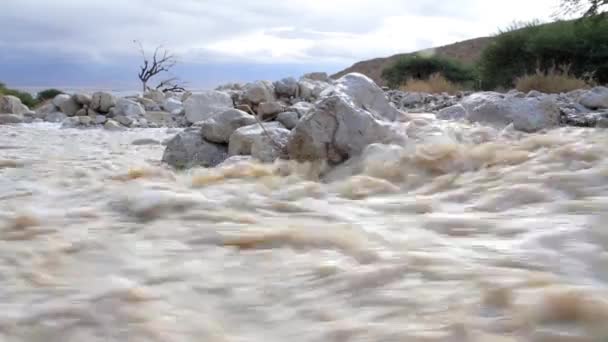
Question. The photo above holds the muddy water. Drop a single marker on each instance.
(468, 233)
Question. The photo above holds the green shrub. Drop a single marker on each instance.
(421, 68)
(582, 44)
(25, 97)
(47, 94)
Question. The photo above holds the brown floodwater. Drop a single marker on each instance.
(466, 233)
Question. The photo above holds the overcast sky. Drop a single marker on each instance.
(90, 42)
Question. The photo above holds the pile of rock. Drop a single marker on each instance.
(320, 119)
(13, 111)
(528, 112)
(100, 109)
(267, 121)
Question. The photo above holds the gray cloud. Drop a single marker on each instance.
(254, 31)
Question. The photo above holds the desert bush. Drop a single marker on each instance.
(25, 97)
(553, 81)
(519, 51)
(47, 94)
(422, 68)
(435, 84)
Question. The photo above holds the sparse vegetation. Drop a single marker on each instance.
(582, 44)
(411, 68)
(47, 94)
(552, 81)
(435, 84)
(25, 97)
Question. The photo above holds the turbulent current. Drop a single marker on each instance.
(466, 233)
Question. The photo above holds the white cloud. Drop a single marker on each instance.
(258, 31)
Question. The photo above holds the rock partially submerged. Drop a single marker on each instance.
(220, 127)
(335, 131)
(188, 149)
(596, 98)
(528, 114)
(243, 138)
(12, 105)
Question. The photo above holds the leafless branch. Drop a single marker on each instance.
(171, 84)
(162, 61)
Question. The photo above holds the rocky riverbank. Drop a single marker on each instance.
(308, 119)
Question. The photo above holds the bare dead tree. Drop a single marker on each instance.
(172, 84)
(589, 8)
(162, 61)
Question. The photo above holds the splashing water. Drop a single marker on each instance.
(465, 233)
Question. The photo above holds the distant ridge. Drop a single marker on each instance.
(468, 51)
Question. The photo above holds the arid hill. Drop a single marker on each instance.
(467, 51)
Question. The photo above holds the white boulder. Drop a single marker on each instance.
(302, 108)
(6, 119)
(269, 146)
(172, 105)
(243, 138)
(12, 105)
(201, 106)
(288, 119)
(102, 102)
(336, 130)
(287, 87)
(189, 149)
(596, 98)
(82, 99)
(220, 127)
(269, 110)
(257, 92)
(129, 108)
(364, 93)
(155, 95)
(455, 112)
(527, 114)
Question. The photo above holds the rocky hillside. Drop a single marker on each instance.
(467, 51)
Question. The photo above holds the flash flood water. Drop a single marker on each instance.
(466, 233)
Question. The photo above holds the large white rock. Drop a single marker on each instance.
(129, 108)
(526, 114)
(455, 112)
(302, 108)
(288, 119)
(206, 104)
(60, 99)
(189, 149)
(172, 105)
(220, 127)
(595, 98)
(46, 109)
(149, 104)
(102, 102)
(287, 87)
(268, 147)
(366, 94)
(243, 138)
(155, 95)
(269, 110)
(12, 105)
(310, 89)
(6, 119)
(82, 99)
(336, 130)
(257, 92)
